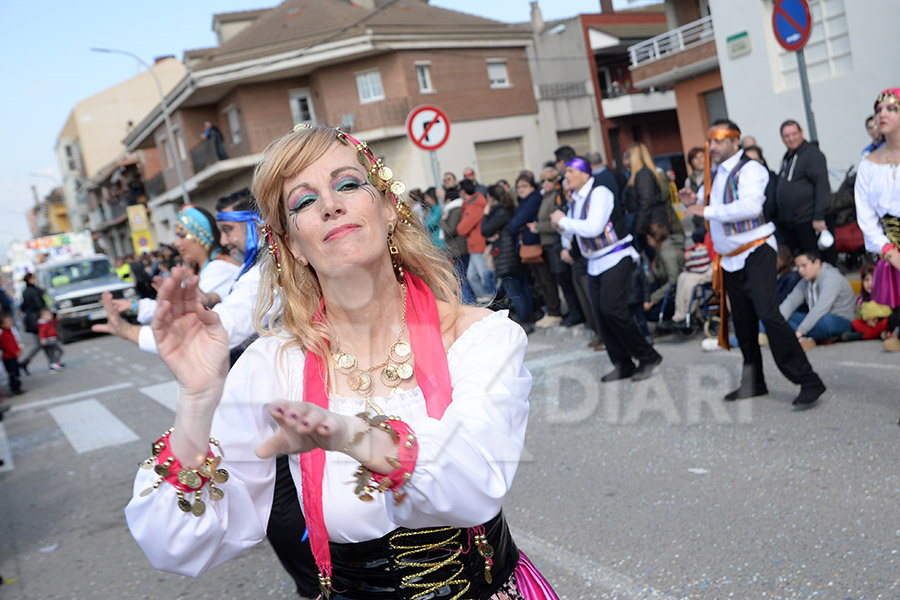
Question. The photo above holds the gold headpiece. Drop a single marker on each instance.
(715, 133)
(891, 95)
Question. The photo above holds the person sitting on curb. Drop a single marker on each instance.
(829, 296)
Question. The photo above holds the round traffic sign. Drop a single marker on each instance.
(428, 127)
(792, 23)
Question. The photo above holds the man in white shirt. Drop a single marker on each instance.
(596, 223)
(747, 250)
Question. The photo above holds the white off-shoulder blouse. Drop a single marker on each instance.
(877, 193)
(466, 461)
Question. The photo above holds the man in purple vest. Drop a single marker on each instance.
(596, 224)
(747, 251)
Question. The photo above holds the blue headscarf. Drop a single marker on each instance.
(197, 225)
(252, 218)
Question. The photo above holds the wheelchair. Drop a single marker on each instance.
(703, 311)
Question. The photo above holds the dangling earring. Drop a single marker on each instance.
(273, 250)
(395, 254)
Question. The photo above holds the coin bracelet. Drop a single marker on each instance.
(404, 461)
(186, 480)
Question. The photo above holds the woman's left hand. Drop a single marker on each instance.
(302, 427)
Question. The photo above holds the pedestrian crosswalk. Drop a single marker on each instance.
(88, 425)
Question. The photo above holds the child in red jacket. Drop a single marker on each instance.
(47, 335)
(11, 352)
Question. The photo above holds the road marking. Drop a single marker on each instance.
(5, 452)
(67, 397)
(858, 365)
(165, 393)
(89, 425)
(610, 581)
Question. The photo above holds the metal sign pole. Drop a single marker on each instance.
(807, 99)
(435, 169)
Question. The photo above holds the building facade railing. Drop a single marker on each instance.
(672, 42)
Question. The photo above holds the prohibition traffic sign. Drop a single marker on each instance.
(792, 23)
(428, 127)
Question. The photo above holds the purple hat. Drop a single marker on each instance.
(580, 164)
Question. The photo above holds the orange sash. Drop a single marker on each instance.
(719, 287)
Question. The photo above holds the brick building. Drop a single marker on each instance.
(360, 65)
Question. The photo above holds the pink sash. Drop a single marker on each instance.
(432, 375)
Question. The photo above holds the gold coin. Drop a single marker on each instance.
(146, 492)
(405, 371)
(398, 187)
(216, 494)
(389, 375)
(198, 508)
(385, 173)
(365, 383)
(189, 478)
(184, 505)
(400, 352)
(346, 361)
(220, 476)
(353, 381)
(205, 471)
(215, 463)
(366, 498)
(161, 470)
(362, 159)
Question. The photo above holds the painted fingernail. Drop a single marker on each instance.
(305, 423)
(293, 415)
(278, 410)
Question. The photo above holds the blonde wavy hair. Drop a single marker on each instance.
(640, 157)
(295, 290)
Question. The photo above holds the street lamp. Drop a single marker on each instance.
(165, 111)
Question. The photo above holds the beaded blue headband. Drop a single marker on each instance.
(197, 227)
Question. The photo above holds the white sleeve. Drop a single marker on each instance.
(468, 458)
(236, 310)
(146, 310)
(181, 543)
(217, 277)
(866, 217)
(752, 181)
(598, 215)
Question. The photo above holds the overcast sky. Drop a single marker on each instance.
(47, 68)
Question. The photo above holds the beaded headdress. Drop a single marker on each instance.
(196, 226)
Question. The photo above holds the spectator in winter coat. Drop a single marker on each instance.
(803, 194)
(470, 227)
(433, 213)
(829, 296)
(667, 265)
(455, 244)
(32, 305)
(509, 269)
(11, 351)
(643, 192)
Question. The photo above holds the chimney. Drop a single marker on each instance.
(606, 7)
(537, 19)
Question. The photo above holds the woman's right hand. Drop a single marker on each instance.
(687, 196)
(190, 339)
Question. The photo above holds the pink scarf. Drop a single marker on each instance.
(432, 375)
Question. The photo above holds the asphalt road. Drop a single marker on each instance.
(651, 490)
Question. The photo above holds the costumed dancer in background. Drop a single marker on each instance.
(877, 194)
(734, 193)
(371, 371)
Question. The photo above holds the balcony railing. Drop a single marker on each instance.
(384, 113)
(671, 42)
(203, 155)
(155, 187)
(567, 89)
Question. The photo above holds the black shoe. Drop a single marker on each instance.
(851, 336)
(645, 368)
(567, 322)
(24, 366)
(528, 327)
(809, 396)
(742, 393)
(616, 374)
(18, 392)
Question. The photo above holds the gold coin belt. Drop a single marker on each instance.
(395, 369)
(187, 481)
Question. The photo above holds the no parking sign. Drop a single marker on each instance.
(792, 23)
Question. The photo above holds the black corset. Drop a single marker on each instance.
(397, 565)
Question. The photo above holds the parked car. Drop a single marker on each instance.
(74, 287)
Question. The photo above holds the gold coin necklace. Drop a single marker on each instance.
(395, 369)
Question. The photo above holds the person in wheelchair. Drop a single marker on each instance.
(667, 265)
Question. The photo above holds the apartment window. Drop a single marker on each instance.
(423, 74)
(497, 73)
(233, 116)
(179, 144)
(302, 109)
(164, 151)
(368, 85)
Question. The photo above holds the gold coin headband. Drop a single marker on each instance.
(379, 175)
(891, 95)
